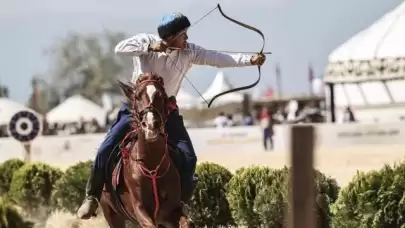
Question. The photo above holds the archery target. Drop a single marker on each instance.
(24, 126)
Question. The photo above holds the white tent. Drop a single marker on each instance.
(384, 38)
(221, 84)
(368, 69)
(74, 109)
(363, 57)
(8, 108)
(185, 100)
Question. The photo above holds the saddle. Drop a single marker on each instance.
(116, 162)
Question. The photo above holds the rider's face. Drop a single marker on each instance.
(179, 40)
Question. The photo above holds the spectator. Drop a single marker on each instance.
(348, 115)
(229, 120)
(248, 120)
(266, 123)
(220, 120)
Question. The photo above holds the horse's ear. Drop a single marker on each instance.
(160, 80)
(127, 89)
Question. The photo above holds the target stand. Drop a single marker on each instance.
(25, 126)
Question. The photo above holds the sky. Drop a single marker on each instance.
(298, 33)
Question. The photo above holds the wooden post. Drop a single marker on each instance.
(302, 198)
(27, 150)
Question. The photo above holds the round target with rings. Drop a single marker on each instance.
(24, 126)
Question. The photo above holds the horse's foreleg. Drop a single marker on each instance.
(176, 219)
(114, 220)
(145, 221)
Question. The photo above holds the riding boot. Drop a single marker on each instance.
(94, 189)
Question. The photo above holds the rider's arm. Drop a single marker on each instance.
(201, 56)
(136, 45)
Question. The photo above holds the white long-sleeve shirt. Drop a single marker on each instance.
(173, 66)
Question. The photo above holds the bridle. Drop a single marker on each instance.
(260, 52)
(153, 174)
(150, 108)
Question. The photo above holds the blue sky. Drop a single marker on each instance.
(297, 32)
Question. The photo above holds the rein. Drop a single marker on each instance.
(153, 174)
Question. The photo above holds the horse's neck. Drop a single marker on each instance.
(150, 152)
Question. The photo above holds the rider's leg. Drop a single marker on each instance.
(95, 182)
(178, 134)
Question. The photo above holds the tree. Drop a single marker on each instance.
(44, 97)
(84, 64)
(3, 91)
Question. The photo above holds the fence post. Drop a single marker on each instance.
(302, 198)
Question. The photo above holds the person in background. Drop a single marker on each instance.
(348, 115)
(229, 120)
(266, 123)
(248, 119)
(220, 120)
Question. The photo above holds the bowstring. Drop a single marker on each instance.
(181, 71)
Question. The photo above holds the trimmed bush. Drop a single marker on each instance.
(209, 206)
(242, 190)
(259, 197)
(70, 189)
(272, 201)
(373, 199)
(32, 185)
(10, 218)
(7, 170)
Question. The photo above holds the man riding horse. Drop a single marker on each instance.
(170, 56)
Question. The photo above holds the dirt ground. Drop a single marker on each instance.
(341, 164)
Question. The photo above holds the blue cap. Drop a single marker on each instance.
(171, 24)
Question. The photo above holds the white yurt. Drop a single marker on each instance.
(76, 108)
(367, 72)
(219, 85)
(9, 107)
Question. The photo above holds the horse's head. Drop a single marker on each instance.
(148, 100)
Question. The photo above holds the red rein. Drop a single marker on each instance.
(152, 174)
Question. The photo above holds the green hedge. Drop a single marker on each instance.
(209, 206)
(374, 200)
(259, 197)
(10, 218)
(252, 197)
(32, 185)
(7, 170)
(70, 189)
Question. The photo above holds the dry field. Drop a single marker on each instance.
(340, 164)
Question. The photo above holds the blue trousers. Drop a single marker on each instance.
(267, 136)
(176, 133)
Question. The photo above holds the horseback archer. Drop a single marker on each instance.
(170, 56)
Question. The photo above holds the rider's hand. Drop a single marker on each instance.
(258, 59)
(159, 46)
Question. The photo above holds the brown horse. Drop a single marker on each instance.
(145, 184)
